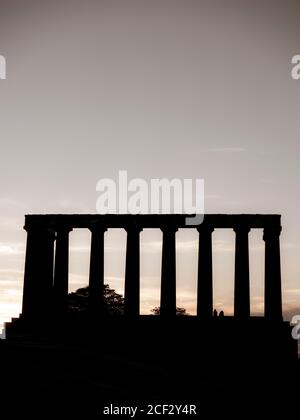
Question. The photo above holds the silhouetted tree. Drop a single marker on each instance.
(113, 301)
(179, 311)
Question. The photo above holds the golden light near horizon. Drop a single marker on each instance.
(151, 246)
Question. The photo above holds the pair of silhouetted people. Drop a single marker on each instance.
(216, 313)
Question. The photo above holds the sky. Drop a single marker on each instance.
(185, 89)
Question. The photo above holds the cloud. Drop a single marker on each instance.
(268, 181)
(219, 245)
(11, 272)
(80, 249)
(289, 245)
(12, 249)
(291, 298)
(227, 150)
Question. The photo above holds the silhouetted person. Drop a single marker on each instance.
(215, 312)
(221, 313)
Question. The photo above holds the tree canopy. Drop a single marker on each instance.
(113, 302)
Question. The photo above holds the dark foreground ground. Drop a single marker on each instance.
(65, 379)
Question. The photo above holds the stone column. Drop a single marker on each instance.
(205, 280)
(38, 275)
(61, 270)
(241, 281)
(132, 271)
(96, 278)
(168, 272)
(273, 299)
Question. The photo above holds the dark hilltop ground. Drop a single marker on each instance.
(68, 379)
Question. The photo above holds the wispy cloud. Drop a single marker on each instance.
(11, 249)
(80, 249)
(11, 272)
(219, 245)
(292, 291)
(226, 150)
(268, 181)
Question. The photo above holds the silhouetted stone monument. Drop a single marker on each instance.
(45, 293)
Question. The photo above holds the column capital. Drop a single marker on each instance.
(271, 232)
(38, 228)
(205, 228)
(133, 227)
(241, 228)
(63, 229)
(97, 227)
(170, 228)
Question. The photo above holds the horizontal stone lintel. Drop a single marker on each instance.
(218, 221)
